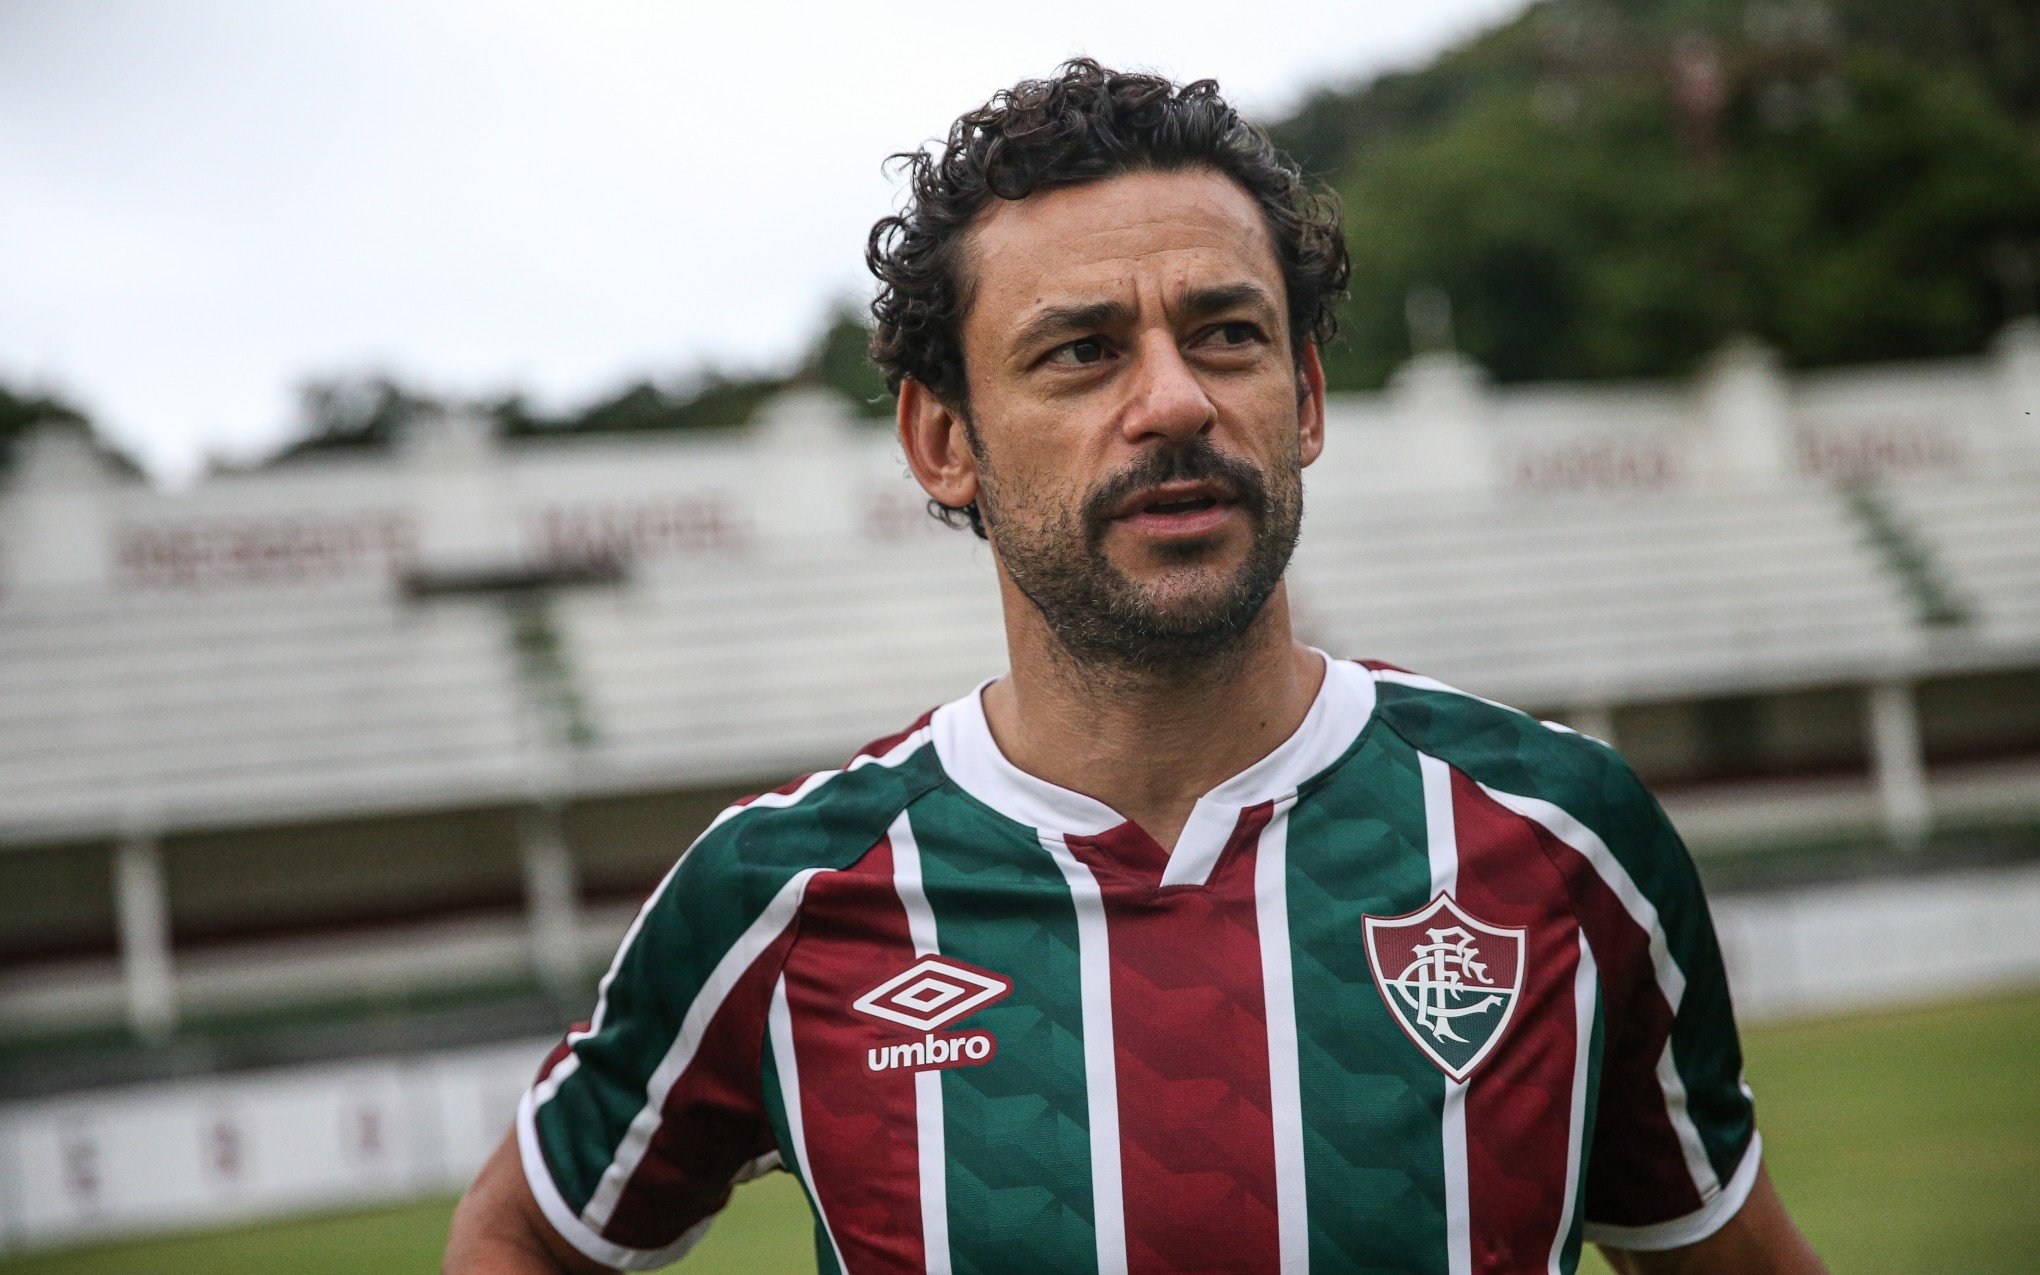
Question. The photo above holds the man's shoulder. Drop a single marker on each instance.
(826, 819)
(1501, 747)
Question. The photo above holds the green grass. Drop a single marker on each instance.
(764, 1231)
(1902, 1142)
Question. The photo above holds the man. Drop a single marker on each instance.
(1180, 947)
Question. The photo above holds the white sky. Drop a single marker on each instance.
(203, 203)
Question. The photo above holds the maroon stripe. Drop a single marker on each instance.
(880, 747)
(1636, 1170)
(863, 1153)
(1196, 1139)
(1519, 1101)
(560, 1051)
(786, 789)
(713, 1122)
(876, 748)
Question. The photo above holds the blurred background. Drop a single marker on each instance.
(439, 469)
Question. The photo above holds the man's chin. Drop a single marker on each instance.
(1178, 567)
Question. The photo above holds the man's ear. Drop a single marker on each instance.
(1310, 404)
(937, 445)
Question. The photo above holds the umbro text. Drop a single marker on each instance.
(967, 1050)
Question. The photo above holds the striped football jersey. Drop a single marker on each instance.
(1430, 988)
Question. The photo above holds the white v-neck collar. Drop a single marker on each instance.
(971, 757)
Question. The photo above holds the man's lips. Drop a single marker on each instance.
(1175, 499)
(1178, 509)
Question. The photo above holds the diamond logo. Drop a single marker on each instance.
(931, 992)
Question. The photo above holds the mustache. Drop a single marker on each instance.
(1193, 461)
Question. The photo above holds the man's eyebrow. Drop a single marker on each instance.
(1200, 303)
(1056, 320)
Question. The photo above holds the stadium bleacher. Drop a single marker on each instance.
(780, 599)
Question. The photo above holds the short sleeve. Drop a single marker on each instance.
(1675, 1148)
(643, 1119)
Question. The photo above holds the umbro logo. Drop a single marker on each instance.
(932, 992)
(924, 996)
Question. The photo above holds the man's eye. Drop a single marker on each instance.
(1235, 333)
(1088, 350)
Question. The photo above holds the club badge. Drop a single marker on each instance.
(1451, 981)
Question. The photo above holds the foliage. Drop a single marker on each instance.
(367, 411)
(1860, 182)
(345, 413)
(23, 411)
(1854, 193)
(839, 360)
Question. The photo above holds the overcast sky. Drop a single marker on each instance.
(203, 203)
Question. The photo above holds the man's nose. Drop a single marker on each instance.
(1168, 400)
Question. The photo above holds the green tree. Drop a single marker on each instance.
(21, 412)
(1846, 196)
(345, 413)
(840, 358)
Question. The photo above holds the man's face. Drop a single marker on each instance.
(1139, 424)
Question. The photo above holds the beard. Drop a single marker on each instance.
(1107, 621)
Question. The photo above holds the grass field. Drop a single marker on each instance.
(1903, 1142)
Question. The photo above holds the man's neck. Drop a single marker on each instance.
(1150, 745)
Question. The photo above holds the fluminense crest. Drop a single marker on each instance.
(1451, 981)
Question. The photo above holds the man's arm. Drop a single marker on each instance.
(1759, 1240)
(498, 1229)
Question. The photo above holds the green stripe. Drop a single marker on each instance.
(721, 887)
(1016, 1128)
(1373, 1105)
(1514, 753)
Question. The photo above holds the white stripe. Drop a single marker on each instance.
(550, 1083)
(1458, 1213)
(1553, 819)
(934, 1170)
(1441, 844)
(630, 1151)
(1278, 995)
(1101, 1065)
(1698, 1166)
(1419, 682)
(928, 1115)
(906, 859)
(1201, 843)
(1441, 833)
(1585, 989)
(1695, 1226)
(778, 914)
(572, 1228)
(1671, 980)
(778, 800)
(779, 1023)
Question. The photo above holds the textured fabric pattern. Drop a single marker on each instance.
(992, 1030)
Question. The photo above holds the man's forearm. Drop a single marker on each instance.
(498, 1229)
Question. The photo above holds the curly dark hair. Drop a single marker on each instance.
(1083, 124)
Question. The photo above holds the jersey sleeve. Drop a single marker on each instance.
(1675, 1148)
(643, 1119)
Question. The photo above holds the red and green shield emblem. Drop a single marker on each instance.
(1451, 980)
